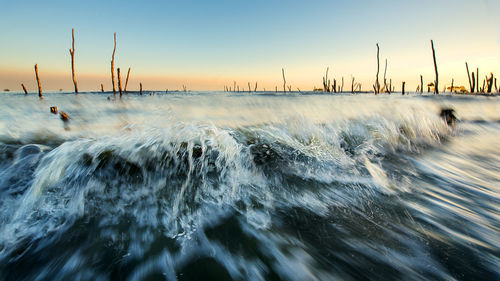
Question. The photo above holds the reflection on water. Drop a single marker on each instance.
(214, 186)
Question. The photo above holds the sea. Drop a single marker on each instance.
(249, 186)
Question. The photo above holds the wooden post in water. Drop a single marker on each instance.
(40, 95)
(26, 91)
(452, 82)
(377, 85)
(249, 87)
(436, 83)
(126, 80)
(113, 67)
(119, 82)
(403, 89)
(468, 75)
(255, 89)
(140, 89)
(284, 80)
(72, 53)
(342, 85)
(496, 88)
(102, 88)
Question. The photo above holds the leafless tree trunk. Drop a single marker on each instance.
(377, 85)
(113, 67)
(284, 80)
(421, 84)
(119, 82)
(72, 53)
(436, 90)
(468, 75)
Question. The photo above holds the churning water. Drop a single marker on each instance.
(218, 186)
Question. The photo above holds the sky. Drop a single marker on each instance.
(208, 44)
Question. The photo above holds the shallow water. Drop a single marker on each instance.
(219, 186)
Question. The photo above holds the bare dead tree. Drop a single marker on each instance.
(468, 75)
(421, 84)
(40, 95)
(26, 91)
(72, 53)
(477, 79)
(473, 89)
(490, 82)
(119, 82)
(284, 80)
(126, 80)
(385, 81)
(113, 67)
(377, 85)
(436, 90)
(326, 82)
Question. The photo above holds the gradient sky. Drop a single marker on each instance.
(209, 44)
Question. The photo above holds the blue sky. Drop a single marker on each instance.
(206, 44)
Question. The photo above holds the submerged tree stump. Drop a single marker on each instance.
(40, 95)
(72, 53)
(436, 83)
(376, 87)
(26, 91)
(119, 82)
(468, 75)
(113, 67)
(126, 80)
(284, 80)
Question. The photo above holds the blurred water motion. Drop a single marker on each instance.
(218, 186)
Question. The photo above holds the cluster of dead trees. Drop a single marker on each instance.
(73, 75)
(489, 83)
